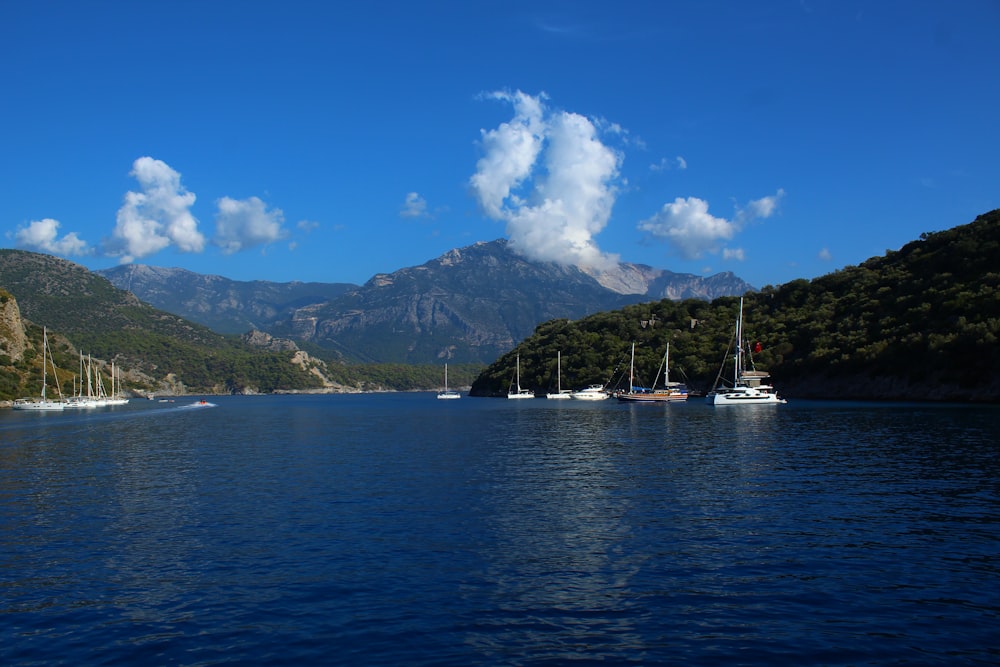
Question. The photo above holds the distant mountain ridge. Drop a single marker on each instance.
(470, 304)
(224, 305)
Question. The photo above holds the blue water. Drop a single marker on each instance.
(398, 529)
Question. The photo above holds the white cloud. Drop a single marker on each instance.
(551, 179)
(242, 224)
(761, 208)
(825, 255)
(157, 217)
(688, 226)
(692, 231)
(415, 206)
(735, 254)
(43, 235)
(666, 164)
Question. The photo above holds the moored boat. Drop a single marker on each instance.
(594, 392)
(42, 404)
(447, 394)
(670, 392)
(748, 386)
(515, 391)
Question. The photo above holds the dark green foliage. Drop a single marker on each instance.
(919, 323)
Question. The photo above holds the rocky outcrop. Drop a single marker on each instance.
(13, 341)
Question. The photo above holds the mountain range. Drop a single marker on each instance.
(469, 305)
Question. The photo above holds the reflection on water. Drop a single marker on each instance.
(399, 529)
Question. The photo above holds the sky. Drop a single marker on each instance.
(331, 141)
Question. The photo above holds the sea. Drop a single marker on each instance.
(396, 529)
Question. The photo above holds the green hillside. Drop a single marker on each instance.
(920, 323)
(86, 313)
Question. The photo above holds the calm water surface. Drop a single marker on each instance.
(398, 529)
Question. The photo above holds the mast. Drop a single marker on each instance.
(45, 346)
(631, 371)
(738, 371)
(666, 366)
(559, 371)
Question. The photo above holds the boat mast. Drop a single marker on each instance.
(518, 373)
(631, 371)
(558, 371)
(45, 345)
(738, 371)
(666, 366)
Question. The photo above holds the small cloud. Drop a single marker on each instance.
(242, 224)
(761, 208)
(43, 235)
(825, 255)
(414, 206)
(666, 164)
(307, 226)
(687, 225)
(156, 217)
(735, 254)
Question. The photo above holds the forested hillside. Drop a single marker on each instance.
(85, 313)
(919, 323)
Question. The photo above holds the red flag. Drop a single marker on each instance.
(757, 347)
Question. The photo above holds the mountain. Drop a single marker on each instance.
(164, 352)
(919, 323)
(468, 305)
(223, 305)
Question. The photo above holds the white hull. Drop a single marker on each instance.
(743, 396)
(38, 405)
(559, 396)
(595, 393)
(524, 393)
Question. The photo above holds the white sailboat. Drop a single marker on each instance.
(560, 393)
(78, 399)
(447, 394)
(747, 387)
(518, 392)
(43, 403)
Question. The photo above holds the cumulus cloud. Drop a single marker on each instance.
(825, 255)
(43, 235)
(414, 206)
(242, 224)
(156, 217)
(548, 176)
(692, 231)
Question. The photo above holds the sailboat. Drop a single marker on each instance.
(560, 392)
(671, 391)
(747, 387)
(42, 404)
(518, 392)
(447, 394)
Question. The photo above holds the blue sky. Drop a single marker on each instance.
(328, 141)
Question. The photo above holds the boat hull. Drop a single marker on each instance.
(743, 397)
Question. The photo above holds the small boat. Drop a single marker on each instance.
(560, 393)
(517, 392)
(594, 392)
(447, 394)
(747, 387)
(670, 393)
(42, 404)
